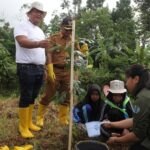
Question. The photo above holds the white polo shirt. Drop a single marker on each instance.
(26, 55)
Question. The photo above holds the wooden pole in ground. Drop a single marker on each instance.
(71, 84)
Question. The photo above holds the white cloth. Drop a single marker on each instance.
(26, 55)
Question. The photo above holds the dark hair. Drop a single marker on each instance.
(91, 88)
(144, 77)
(66, 21)
(110, 97)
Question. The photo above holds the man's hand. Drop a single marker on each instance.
(43, 43)
(51, 73)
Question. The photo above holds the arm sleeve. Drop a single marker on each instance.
(20, 30)
(141, 117)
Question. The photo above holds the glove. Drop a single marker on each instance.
(51, 73)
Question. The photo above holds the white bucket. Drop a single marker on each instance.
(93, 128)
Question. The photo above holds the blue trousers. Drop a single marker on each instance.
(87, 113)
(84, 115)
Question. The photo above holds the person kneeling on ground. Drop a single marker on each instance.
(118, 105)
(91, 108)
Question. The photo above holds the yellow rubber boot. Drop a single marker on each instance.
(18, 148)
(63, 114)
(40, 115)
(23, 123)
(31, 125)
(25, 147)
(4, 147)
(28, 147)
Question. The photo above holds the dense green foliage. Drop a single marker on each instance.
(8, 78)
(118, 37)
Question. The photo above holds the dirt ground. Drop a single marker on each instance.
(53, 136)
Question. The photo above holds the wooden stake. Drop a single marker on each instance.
(71, 84)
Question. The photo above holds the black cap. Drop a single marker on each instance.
(67, 23)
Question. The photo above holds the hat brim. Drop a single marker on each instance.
(67, 28)
(37, 9)
(118, 91)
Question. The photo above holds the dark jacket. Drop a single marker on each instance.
(114, 114)
(141, 117)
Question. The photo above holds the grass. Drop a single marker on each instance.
(53, 136)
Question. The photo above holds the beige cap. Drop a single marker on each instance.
(117, 86)
(38, 6)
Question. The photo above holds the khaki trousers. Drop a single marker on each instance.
(61, 84)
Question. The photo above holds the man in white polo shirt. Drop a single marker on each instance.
(30, 58)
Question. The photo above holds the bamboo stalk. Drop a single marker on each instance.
(71, 84)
